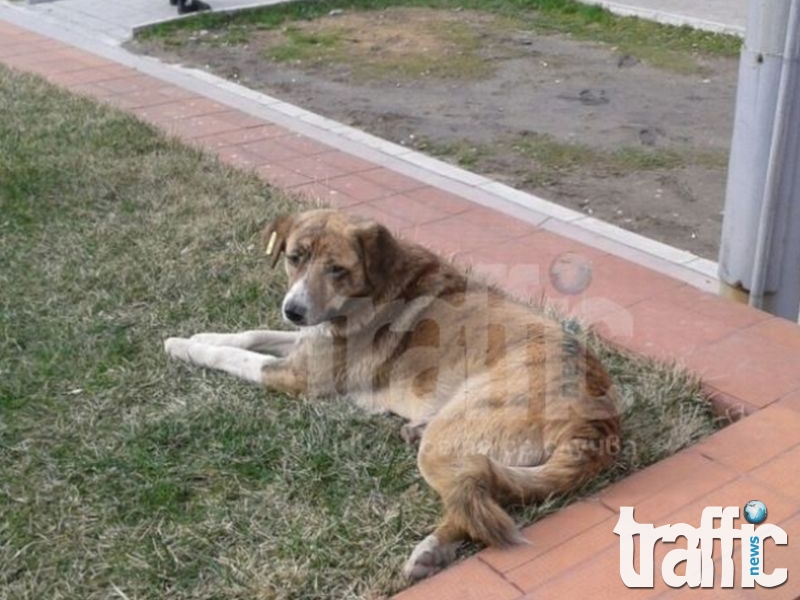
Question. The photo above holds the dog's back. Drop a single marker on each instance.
(512, 407)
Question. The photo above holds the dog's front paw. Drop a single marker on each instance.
(176, 347)
(428, 558)
(213, 339)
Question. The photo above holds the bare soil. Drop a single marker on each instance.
(574, 122)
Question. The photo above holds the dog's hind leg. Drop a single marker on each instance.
(442, 470)
(411, 432)
(466, 484)
(278, 343)
(436, 551)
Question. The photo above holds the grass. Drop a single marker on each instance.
(125, 475)
(444, 49)
(668, 47)
(301, 45)
(546, 160)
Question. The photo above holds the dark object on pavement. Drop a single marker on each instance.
(189, 6)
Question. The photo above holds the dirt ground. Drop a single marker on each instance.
(574, 122)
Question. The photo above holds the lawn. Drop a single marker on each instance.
(125, 475)
(672, 48)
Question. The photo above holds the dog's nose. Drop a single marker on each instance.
(296, 313)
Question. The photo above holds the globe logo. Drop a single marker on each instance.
(755, 512)
(571, 273)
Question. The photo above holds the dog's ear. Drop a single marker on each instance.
(380, 253)
(274, 236)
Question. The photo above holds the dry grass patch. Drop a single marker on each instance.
(404, 43)
(675, 49)
(395, 43)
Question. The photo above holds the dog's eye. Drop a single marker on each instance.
(296, 256)
(336, 271)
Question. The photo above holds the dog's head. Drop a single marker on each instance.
(335, 263)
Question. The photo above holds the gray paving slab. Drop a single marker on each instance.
(719, 16)
(115, 20)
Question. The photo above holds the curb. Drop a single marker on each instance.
(222, 11)
(667, 18)
(660, 257)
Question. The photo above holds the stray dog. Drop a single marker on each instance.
(506, 406)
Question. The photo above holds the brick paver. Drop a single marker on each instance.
(749, 360)
(548, 533)
(469, 580)
(748, 366)
(564, 557)
(769, 432)
(791, 401)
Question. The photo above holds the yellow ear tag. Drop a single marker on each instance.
(271, 243)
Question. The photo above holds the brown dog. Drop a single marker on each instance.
(506, 405)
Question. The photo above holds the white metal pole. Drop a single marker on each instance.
(781, 131)
(760, 248)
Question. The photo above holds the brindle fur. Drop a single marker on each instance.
(506, 406)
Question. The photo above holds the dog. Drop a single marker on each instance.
(507, 407)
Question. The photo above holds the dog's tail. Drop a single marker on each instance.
(473, 502)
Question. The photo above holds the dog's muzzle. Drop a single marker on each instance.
(295, 313)
(295, 305)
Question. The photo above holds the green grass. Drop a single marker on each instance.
(455, 56)
(672, 48)
(125, 475)
(301, 45)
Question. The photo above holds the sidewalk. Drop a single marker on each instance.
(748, 359)
(719, 16)
(115, 22)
